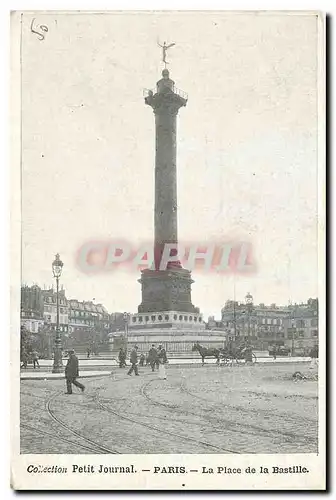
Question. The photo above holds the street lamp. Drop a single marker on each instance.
(249, 306)
(57, 266)
(293, 335)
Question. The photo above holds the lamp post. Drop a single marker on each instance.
(249, 306)
(234, 320)
(57, 266)
(293, 335)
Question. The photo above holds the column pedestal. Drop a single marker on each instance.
(168, 290)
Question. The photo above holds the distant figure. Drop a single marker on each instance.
(24, 359)
(71, 373)
(122, 358)
(153, 357)
(162, 356)
(142, 360)
(35, 359)
(314, 355)
(88, 352)
(314, 352)
(248, 354)
(134, 361)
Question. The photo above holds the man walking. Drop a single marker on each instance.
(162, 356)
(134, 361)
(24, 359)
(142, 359)
(122, 357)
(71, 373)
(35, 359)
(152, 357)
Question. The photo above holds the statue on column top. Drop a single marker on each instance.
(165, 47)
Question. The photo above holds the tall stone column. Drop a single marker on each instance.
(169, 289)
(165, 107)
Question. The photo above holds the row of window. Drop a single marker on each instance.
(62, 328)
(300, 323)
(243, 325)
(86, 322)
(254, 321)
(52, 300)
(270, 333)
(300, 334)
(31, 314)
(62, 310)
(81, 313)
(166, 317)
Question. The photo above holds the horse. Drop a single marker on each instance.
(205, 352)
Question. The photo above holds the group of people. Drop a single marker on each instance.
(26, 357)
(156, 358)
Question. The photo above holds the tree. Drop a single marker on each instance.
(25, 340)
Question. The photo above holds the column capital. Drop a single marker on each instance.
(167, 102)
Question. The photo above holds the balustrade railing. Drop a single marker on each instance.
(179, 92)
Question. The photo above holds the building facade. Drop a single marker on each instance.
(32, 308)
(50, 310)
(301, 327)
(294, 326)
(82, 324)
(117, 322)
(88, 320)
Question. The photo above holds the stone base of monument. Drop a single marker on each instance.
(168, 290)
(175, 330)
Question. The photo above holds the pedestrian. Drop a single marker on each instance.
(248, 354)
(88, 352)
(153, 357)
(162, 357)
(35, 359)
(314, 355)
(24, 359)
(134, 361)
(142, 359)
(275, 353)
(71, 373)
(122, 357)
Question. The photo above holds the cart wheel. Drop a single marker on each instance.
(254, 358)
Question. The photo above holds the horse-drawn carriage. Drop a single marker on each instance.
(242, 353)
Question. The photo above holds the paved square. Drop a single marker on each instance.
(210, 409)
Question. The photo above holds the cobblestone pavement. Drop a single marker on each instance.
(210, 409)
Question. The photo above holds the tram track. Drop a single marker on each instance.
(57, 437)
(248, 429)
(98, 447)
(221, 424)
(242, 409)
(160, 430)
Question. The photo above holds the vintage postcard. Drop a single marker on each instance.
(168, 242)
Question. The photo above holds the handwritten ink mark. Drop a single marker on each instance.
(42, 27)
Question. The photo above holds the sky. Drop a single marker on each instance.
(246, 147)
